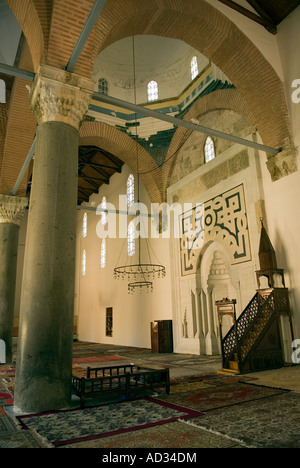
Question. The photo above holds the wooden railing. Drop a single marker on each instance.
(246, 335)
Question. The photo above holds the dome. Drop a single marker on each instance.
(139, 60)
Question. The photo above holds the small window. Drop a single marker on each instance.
(103, 254)
(130, 190)
(83, 265)
(103, 213)
(194, 68)
(84, 225)
(209, 149)
(103, 86)
(152, 91)
(131, 239)
(109, 321)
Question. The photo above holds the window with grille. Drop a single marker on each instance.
(209, 149)
(131, 239)
(152, 91)
(103, 86)
(84, 225)
(130, 190)
(103, 254)
(83, 264)
(103, 212)
(194, 68)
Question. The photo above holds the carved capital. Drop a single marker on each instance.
(283, 163)
(60, 96)
(12, 209)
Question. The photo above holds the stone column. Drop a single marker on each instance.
(11, 213)
(59, 101)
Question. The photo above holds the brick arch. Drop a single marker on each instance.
(210, 32)
(125, 148)
(28, 14)
(221, 99)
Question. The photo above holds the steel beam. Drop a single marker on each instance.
(17, 72)
(182, 123)
(24, 168)
(85, 33)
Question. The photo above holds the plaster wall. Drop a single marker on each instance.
(282, 197)
(98, 290)
(216, 274)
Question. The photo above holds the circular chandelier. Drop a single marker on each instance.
(140, 276)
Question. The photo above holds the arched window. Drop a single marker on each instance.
(103, 86)
(83, 263)
(103, 213)
(152, 91)
(194, 68)
(103, 254)
(209, 149)
(131, 239)
(84, 225)
(130, 190)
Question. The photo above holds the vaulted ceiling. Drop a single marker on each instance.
(52, 30)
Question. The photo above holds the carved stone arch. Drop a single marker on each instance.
(126, 149)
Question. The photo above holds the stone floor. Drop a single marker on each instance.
(237, 425)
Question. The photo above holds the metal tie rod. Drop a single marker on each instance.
(181, 123)
(24, 168)
(85, 33)
(18, 72)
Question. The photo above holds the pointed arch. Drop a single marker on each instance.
(213, 34)
(125, 148)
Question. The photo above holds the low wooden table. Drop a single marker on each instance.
(126, 380)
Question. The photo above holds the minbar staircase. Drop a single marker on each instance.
(254, 341)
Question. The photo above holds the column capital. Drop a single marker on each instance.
(12, 209)
(59, 96)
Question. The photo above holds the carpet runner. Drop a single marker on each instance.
(70, 426)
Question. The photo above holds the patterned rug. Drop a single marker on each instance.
(6, 425)
(6, 399)
(71, 426)
(206, 399)
(176, 435)
(268, 423)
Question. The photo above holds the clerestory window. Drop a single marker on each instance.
(131, 239)
(103, 254)
(194, 68)
(152, 91)
(103, 86)
(130, 190)
(209, 149)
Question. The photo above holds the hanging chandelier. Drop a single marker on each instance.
(140, 276)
